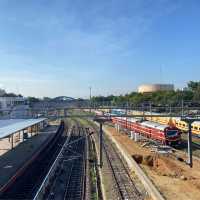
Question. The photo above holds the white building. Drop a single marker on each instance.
(9, 102)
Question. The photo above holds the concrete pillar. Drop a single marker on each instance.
(119, 128)
(12, 142)
(132, 135)
(37, 128)
(116, 127)
(31, 130)
(136, 137)
(23, 135)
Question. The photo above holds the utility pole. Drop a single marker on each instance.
(190, 162)
(90, 97)
(126, 112)
(182, 104)
(101, 144)
(90, 93)
(143, 112)
(100, 121)
(150, 109)
(189, 121)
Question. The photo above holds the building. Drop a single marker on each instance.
(148, 88)
(9, 102)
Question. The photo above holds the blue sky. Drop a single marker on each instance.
(61, 47)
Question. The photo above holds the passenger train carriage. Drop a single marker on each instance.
(182, 125)
(166, 134)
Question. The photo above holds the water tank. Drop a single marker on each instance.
(155, 88)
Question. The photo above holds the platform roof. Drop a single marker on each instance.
(8, 127)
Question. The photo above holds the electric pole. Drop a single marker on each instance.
(90, 97)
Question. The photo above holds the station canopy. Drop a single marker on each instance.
(11, 126)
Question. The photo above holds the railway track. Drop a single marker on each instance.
(75, 188)
(70, 184)
(24, 184)
(125, 187)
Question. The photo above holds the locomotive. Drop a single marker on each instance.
(166, 134)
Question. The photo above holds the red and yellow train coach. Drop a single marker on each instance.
(164, 133)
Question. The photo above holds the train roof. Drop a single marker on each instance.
(133, 120)
(196, 122)
(118, 111)
(155, 125)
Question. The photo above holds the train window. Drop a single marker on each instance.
(172, 133)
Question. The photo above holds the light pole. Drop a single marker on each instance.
(182, 104)
(90, 97)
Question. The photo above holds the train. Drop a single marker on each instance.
(166, 134)
(176, 121)
(182, 125)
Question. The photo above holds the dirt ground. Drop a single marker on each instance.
(174, 179)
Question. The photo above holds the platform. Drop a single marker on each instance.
(12, 160)
(10, 126)
(15, 131)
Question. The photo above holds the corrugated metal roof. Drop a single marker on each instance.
(8, 127)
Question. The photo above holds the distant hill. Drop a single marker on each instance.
(63, 98)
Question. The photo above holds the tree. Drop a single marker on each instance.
(33, 100)
(46, 99)
(192, 85)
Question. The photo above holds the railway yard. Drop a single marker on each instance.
(168, 172)
(99, 100)
(63, 161)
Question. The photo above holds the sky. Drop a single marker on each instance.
(62, 47)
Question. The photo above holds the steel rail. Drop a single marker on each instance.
(126, 188)
(51, 171)
(75, 187)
